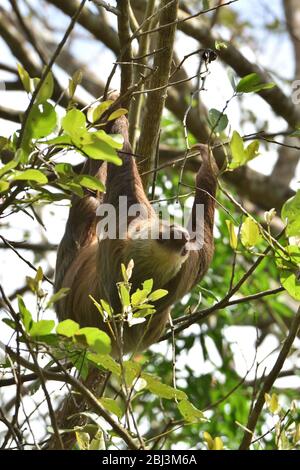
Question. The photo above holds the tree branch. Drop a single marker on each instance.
(155, 101)
(268, 383)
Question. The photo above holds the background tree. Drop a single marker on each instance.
(195, 389)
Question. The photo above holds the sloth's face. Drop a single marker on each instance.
(174, 238)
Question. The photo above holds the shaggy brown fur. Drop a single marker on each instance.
(89, 266)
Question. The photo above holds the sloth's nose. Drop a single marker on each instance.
(179, 234)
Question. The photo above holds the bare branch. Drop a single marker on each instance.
(268, 383)
(156, 100)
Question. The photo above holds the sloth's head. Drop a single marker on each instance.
(160, 248)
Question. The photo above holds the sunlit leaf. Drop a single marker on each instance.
(25, 78)
(74, 82)
(158, 294)
(233, 240)
(67, 328)
(291, 212)
(190, 412)
(95, 112)
(90, 182)
(42, 327)
(124, 295)
(25, 314)
(250, 234)
(100, 150)
(31, 175)
(42, 121)
(118, 113)
(83, 440)
(46, 90)
(139, 297)
(4, 186)
(162, 390)
(74, 122)
(95, 338)
(240, 154)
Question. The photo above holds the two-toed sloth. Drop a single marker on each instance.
(90, 265)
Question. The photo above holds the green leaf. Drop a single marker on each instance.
(209, 440)
(213, 444)
(288, 263)
(21, 156)
(71, 186)
(25, 78)
(64, 169)
(46, 90)
(90, 182)
(237, 150)
(74, 82)
(31, 175)
(250, 234)
(110, 405)
(219, 45)
(9, 323)
(67, 328)
(273, 403)
(100, 150)
(106, 362)
(61, 140)
(4, 142)
(240, 154)
(148, 285)
(218, 121)
(158, 294)
(132, 371)
(103, 307)
(291, 212)
(94, 113)
(252, 84)
(154, 385)
(218, 444)
(127, 271)
(107, 308)
(118, 113)
(98, 442)
(252, 151)
(42, 327)
(95, 338)
(4, 186)
(189, 412)
(124, 295)
(232, 235)
(144, 311)
(39, 275)
(83, 440)
(114, 140)
(74, 123)
(25, 314)
(139, 297)
(42, 121)
(290, 280)
(232, 77)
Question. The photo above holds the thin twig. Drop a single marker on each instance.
(9, 245)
